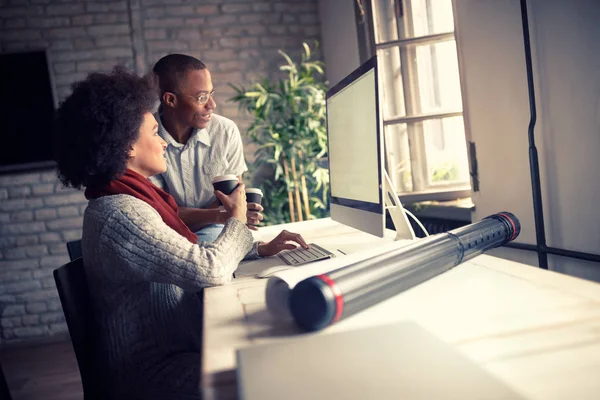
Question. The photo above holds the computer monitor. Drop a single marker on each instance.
(360, 192)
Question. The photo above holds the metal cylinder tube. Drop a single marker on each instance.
(319, 301)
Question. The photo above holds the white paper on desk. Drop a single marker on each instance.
(280, 285)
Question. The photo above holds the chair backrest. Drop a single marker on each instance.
(74, 249)
(72, 287)
(4, 392)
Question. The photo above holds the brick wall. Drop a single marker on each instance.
(37, 217)
(237, 39)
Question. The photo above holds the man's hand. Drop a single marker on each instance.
(280, 243)
(254, 216)
(235, 203)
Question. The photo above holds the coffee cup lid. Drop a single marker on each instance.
(254, 190)
(222, 178)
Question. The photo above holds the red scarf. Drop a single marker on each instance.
(136, 185)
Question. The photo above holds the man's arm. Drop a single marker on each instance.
(198, 218)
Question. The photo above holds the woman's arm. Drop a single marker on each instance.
(137, 246)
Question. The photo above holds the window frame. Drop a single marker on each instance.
(422, 189)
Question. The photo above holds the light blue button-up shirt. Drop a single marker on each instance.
(209, 152)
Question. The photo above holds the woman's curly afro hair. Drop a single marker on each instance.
(98, 123)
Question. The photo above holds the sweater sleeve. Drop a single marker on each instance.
(135, 245)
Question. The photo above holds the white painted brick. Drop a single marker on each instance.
(14, 276)
(236, 8)
(48, 283)
(19, 179)
(44, 188)
(45, 214)
(7, 299)
(44, 295)
(10, 322)
(17, 253)
(53, 261)
(20, 204)
(65, 9)
(50, 176)
(27, 240)
(30, 331)
(110, 18)
(36, 251)
(46, 22)
(13, 310)
(21, 228)
(207, 9)
(19, 287)
(4, 217)
(63, 199)
(57, 249)
(65, 223)
(16, 192)
(13, 23)
(70, 235)
(36, 308)
(69, 211)
(50, 237)
(21, 216)
(42, 273)
(58, 328)
(29, 320)
(179, 10)
(18, 264)
(54, 305)
(82, 20)
(52, 317)
(107, 30)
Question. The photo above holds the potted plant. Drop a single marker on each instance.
(289, 131)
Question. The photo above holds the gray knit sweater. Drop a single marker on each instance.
(143, 278)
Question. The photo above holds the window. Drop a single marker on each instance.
(426, 152)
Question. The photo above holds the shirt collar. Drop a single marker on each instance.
(198, 135)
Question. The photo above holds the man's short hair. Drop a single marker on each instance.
(172, 68)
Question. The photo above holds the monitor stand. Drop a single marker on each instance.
(403, 228)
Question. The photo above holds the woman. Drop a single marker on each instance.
(142, 263)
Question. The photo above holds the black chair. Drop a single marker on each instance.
(72, 287)
(4, 392)
(74, 249)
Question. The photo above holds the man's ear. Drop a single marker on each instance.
(131, 152)
(169, 99)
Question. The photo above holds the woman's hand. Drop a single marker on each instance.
(254, 216)
(280, 243)
(235, 203)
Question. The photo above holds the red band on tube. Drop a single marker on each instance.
(339, 300)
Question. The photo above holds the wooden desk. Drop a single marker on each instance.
(538, 331)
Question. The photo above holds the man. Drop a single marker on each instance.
(201, 144)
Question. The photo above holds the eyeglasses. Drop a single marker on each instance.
(202, 99)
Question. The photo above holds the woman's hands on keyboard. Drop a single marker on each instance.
(280, 243)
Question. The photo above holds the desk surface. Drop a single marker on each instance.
(537, 331)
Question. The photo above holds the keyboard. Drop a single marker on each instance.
(301, 256)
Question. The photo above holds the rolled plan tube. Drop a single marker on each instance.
(322, 300)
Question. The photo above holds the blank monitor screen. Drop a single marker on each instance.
(354, 144)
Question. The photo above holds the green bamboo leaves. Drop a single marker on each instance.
(289, 122)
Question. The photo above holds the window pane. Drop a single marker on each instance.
(446, 151)
(397, 19)
(431, 16)
(386, 25)
(438, 79)
(398, 157)
(390, 78)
